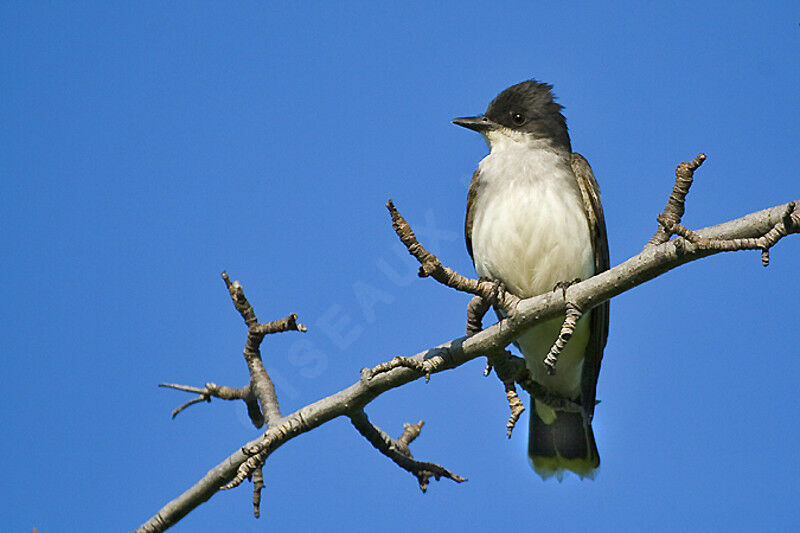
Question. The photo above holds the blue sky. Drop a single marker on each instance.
(147, 147)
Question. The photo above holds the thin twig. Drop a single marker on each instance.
(399, 451)
(260, 383)
(430, 265)
(790, 220)
(201, 399)
(212, 390)
(675, 208)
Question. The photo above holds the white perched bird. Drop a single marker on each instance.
(534, 221)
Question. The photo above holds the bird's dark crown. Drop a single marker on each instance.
(529, 107)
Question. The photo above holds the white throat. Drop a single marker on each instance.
(502, 139)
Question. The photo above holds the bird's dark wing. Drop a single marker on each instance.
(471, 195)
(599, 318)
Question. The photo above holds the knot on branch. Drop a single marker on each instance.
(409, 434)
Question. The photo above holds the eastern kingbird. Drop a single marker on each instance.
(534, 221)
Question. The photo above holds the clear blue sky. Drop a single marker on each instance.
(147, 147)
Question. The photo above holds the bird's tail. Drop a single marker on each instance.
(565, 443)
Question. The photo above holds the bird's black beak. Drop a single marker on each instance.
(480, 124)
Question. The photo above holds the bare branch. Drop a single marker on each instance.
(768, 225)
(431, 266)
(260, 383)
(186, 388)
(177, 410)
(212, 390)
(288, 323)
(399, 451)
(239, 301)
(259, 395)
(673, 211)
(790, 219)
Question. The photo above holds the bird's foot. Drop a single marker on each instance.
(564, 285)
(497, 292)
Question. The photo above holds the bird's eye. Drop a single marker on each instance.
(517, 118)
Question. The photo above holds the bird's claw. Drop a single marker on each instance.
(564, 285)
(498, 290)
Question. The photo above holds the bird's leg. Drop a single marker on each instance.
(477, 308)
(508, 368)
(567, 328)
(573, 314)
(552, 399)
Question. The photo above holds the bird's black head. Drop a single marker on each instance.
(526, 107)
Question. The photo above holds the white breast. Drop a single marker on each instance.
(530, 228)
(530, 231)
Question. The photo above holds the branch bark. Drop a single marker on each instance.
(659, 255)
(399, 450)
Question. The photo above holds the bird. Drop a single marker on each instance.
(534, 222)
